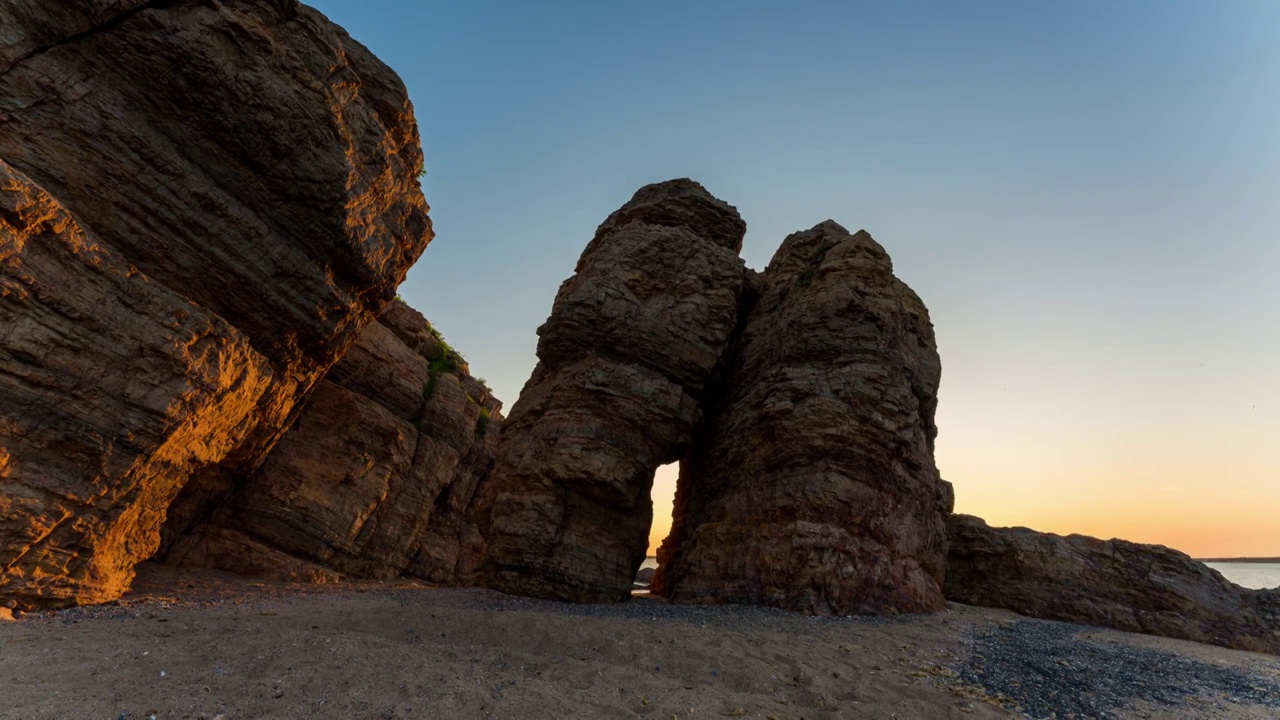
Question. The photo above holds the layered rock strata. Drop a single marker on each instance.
(1113, 583)
(374, 479)
(624, 361)
(203, 204)
(813, 485)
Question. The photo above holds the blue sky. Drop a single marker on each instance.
(1083, 193)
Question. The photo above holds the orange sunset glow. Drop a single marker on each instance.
(1111, 465)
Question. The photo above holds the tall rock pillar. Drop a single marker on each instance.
(624, 362)
(813, 485)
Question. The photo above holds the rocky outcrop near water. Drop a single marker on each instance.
(624, 361)
(813, 485)
(373, 480)
(1112, 583)
(202, 206)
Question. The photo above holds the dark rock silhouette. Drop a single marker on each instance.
(1113, 583)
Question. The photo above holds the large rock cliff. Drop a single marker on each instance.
(1113, 583)
(203, 204)
(624, 361)
(813, 487)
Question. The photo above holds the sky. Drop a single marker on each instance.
(1085, 194)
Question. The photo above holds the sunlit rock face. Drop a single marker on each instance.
(114, 389)
(812, 486)
(624, 361)
(1113, 583)
(203, 205)
(373, 480)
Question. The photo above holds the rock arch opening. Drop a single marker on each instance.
(663, 496)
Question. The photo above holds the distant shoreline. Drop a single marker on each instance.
(1275, 560)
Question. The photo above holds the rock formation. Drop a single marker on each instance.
(202, 205)
(375, 478)
(624, 361)
(1113, 583)
(813, 486)
(205, 205)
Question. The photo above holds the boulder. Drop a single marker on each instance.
(201, 207)
(1112, 583)
(812, 485)
(373, 480)
(624, 361)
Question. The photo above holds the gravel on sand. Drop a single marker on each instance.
(1055, 670)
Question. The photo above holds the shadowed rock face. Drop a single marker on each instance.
(32, 26)
(202, 206)
(624, 361)
(375, 478)
(1113, 583)
(813, 485)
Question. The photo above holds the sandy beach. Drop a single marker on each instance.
(209, 645)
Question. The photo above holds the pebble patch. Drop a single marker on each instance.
(1048, 671)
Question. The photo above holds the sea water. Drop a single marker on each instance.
(1250, 575)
